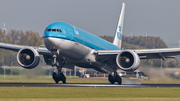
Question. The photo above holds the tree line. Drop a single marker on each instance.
(141, 42)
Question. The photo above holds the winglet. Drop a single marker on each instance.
(118, 35)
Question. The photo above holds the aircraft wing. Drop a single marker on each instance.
(143, 53)
(16, 48)
(158, 53)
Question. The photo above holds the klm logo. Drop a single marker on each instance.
(76, 32)
(120, 28)
(119, 35)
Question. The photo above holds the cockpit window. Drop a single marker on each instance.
(54, 30)
(58, 30)
(48, 30)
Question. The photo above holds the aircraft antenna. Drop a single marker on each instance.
(131, 35)
(4, 29)
(146, 34)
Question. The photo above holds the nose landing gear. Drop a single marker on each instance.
(59, 63)
(59, 76)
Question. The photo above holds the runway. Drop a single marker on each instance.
(83, 85)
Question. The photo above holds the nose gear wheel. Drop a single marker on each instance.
(59, 77)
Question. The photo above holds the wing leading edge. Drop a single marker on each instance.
(16, 48)
(143, 54)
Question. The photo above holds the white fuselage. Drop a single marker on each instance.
(76, 53)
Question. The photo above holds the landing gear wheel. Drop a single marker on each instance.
(57, 81)
(59, 77)
(63, 78)
(55, 77)
(111, 79)
(118, 79)
(115, 78)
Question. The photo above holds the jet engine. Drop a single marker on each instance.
(128, 60)
(28, 58)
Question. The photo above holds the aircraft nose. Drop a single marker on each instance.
(51, 43)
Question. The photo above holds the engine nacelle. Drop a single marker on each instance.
(128, 60)
(28, 58)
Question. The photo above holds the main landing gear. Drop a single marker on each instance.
(59, 76)
(115, 78)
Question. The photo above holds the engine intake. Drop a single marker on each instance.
(28, 58)
(128, 60)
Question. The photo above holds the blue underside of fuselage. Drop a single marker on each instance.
(73, 33)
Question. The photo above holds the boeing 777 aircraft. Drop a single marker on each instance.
(67, 46)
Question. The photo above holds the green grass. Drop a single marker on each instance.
(84, 93)
(88, 93)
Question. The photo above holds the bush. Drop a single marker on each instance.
(15, 71)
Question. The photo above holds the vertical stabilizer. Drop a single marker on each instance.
(118, 35)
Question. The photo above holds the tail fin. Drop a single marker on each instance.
(118, 35)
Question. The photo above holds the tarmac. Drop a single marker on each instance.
(83, 85)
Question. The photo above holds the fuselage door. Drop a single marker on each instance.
(71, 33)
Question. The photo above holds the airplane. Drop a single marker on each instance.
(67, 46)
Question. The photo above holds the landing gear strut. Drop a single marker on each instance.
(59, 76)
(115, 78)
